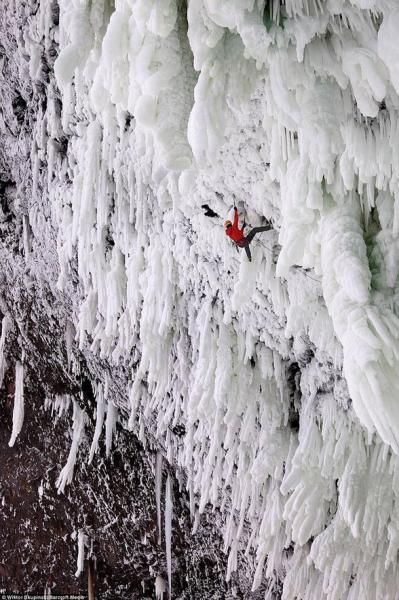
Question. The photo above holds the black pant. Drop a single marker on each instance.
(244, 243)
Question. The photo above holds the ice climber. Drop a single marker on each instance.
(237, 234)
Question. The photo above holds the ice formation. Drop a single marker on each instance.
(66, 474)
(100, 413)
(18, 412)
(82, 538)
(110, 424)
(281, 374)
(160, 588)
(168, 531)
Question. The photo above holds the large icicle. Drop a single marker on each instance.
(110, 424)
(66, 475)
(81, 552)
(18, 412)
(160, 587)
(369, 333)
(168, 531)
(100, 413)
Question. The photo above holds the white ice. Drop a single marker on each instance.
(18, 412)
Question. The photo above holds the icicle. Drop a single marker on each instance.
(81, 552)
(18, 413)
(232, 560)
(192, 498)
(196, 523)
(112, 414)
(5, 327)
(59, 405)
(69, 335)
(66, 475)
(158, 484)
(160, 587)
(168, 531)
(99, 421)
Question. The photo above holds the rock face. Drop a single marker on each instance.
(138, 347)
(112, 502)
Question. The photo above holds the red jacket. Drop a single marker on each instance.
(233, 231)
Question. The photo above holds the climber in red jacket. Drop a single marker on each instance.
(237, 234)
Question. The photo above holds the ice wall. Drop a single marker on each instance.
(292, 112)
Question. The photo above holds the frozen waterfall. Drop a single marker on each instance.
(271, 386)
